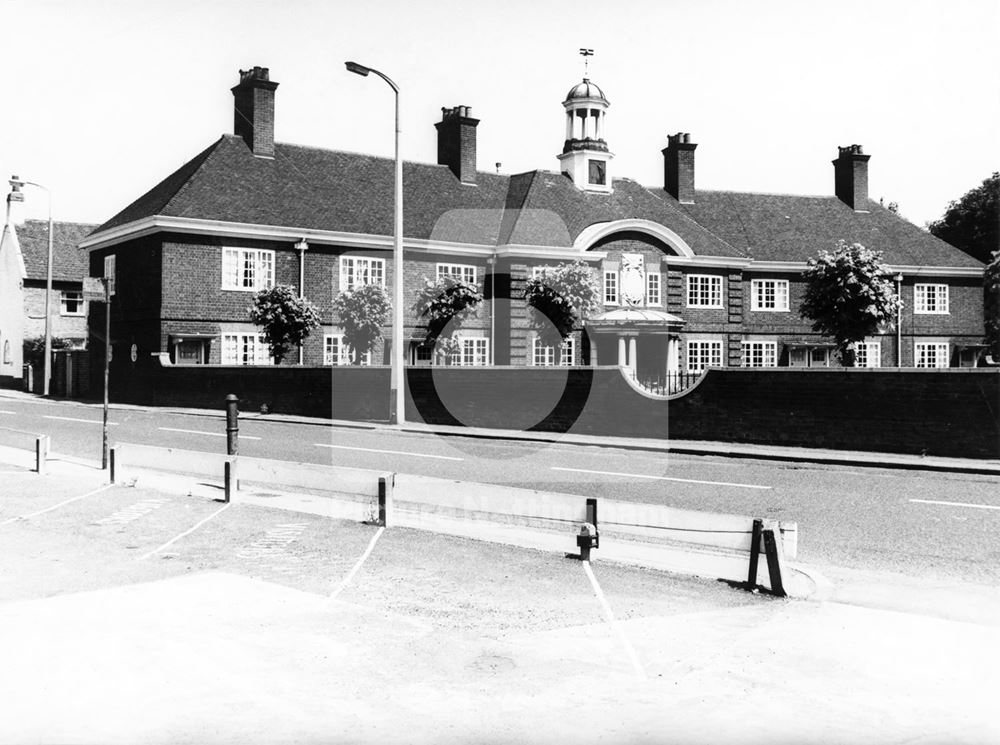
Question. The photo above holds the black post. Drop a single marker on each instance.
(592, 519)
(773, 563)
(227, 480)
(107, 367)
(758, 526)
(232, 425)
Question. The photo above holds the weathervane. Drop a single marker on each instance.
(585, 53)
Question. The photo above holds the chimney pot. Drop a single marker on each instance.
(678, 167)
(253, 113)
(850, 171)
(457, 142)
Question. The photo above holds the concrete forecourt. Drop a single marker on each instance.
(158, 613)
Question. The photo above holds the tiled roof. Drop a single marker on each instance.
(781, 227)
(69, 263)
(327, 190)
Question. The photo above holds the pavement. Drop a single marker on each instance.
(230, 636)
(789, 454)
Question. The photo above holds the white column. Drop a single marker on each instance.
(586, 122)
(673, 355)
(600, 125)
(622, 360)
(569, 125)
(631, 353)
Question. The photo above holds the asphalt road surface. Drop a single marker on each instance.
(931, 527)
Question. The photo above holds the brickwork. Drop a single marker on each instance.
(63, 326)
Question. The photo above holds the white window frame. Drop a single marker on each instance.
(110, 272)
(704, 291)
(369, 269)
(939, 350)
(247, 269)
(611, 289)
(654, 288)
(545, 355)
(474, 352)
(769, 295)
(343, 353)
(245, 348)
(768, 353)
(868, 354)
(703, 354)
(930, 299)
(463, 272)
(78, 297)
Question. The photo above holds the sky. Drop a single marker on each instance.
(102, 100)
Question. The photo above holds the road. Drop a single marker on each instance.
(932, 527)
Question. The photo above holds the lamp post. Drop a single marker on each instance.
(16, 185)
(397, 401)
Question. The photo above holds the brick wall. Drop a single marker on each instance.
(937, 412)
(63, 326)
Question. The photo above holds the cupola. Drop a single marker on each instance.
(585, 156)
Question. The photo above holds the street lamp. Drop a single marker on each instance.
(16, 196)
(397, 401)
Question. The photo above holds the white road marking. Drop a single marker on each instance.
(186, 532)
(390, 452)
(7, 412)
(273, 542)
(132, 512)
(629, 649)
(56, 506)
(958, 504)
(85, 421)
(200, 432)
(662, 478)
(350, 575)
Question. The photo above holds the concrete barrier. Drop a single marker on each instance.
(332, 491)
(703, 544)
(692, 542)
(42, 445)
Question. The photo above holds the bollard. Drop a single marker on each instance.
(592, 519)
(111, 464)
(41, 453)
(758, 527)
(227, 477)
(385, 486)
(775, 556)
(232, 425)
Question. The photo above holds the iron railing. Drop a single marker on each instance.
(667, 384)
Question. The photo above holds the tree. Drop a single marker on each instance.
(445, 304)
(33, 349)
(363, 312)
(991, 293)
(849, 295)
(972, 223)
(285, 318)
(560, 297)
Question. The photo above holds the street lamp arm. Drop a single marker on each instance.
(360, 69)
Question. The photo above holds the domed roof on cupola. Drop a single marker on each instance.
(586, 89)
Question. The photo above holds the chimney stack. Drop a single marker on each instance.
(678, 167)
(850, 171)
(253, 116)
(457, 142)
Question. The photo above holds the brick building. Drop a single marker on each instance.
(24, 263)
(691, 278)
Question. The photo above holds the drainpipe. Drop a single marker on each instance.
(899, 320)
(302, 246)
(492, 263)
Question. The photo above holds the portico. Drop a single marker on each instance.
(644, 340)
